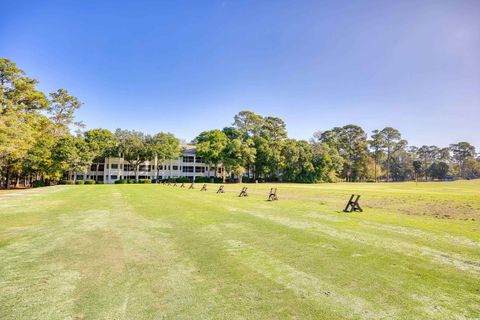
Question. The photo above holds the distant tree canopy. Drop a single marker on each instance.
(36, 143)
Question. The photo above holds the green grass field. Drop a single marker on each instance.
(154, 251)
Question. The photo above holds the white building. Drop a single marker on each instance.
(187, 165)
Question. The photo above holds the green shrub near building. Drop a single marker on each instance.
(66, 182)
(38, 183)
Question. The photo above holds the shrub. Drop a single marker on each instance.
(121, 181)
(131, 181)
(203, 179)
(144, 181)
(182, 180)
(90, 181)
(99, 182)
(79, 182)
(38, 183)
(66, 182)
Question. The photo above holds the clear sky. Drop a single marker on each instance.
(188, 66)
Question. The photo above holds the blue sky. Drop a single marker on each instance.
(188, 66)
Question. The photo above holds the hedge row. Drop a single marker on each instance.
(38, 183)
(131, 181)
(172, 180)
(78, 182)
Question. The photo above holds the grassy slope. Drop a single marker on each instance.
(152, 251)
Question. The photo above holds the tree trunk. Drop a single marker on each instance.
(7, 178)
(96, 171)
(388, 165)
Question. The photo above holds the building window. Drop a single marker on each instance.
(187, 169)
(113, 177)
(188, 159)
(127, 167)
(175, 167)
(199, 160)
(93, 167)
(114, 166)
(199, 169)
(101, 167)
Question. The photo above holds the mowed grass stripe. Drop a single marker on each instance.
(133, 251)
(190, 197)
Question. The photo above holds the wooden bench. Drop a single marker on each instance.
(192, 186)
(353, 205)
(220, 189)
(273, 195)
(244, 192)
(204, 187)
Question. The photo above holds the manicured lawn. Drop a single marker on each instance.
(154, 251)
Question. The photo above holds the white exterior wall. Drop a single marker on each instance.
(174, 168)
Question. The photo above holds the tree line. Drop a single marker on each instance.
(37, 146)
(259, 148)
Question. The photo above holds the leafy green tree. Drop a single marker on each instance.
(166, 147)
(62, 110)
(417, 168)
(38, 162)
(16, 139)
(20, 102)
(72, 154)
(326, 161)
(377, 144)
(101, 143)
(135, 147)
(471, 168)
(401, 167)
(428, 155)
(462, 151)
(438, 170)
(238, 153)
(274, 132)
(298, 165)
(351, 144)
(393, 143)
(444, 154)
(248, 123)
(19, 94)
(211, 145)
